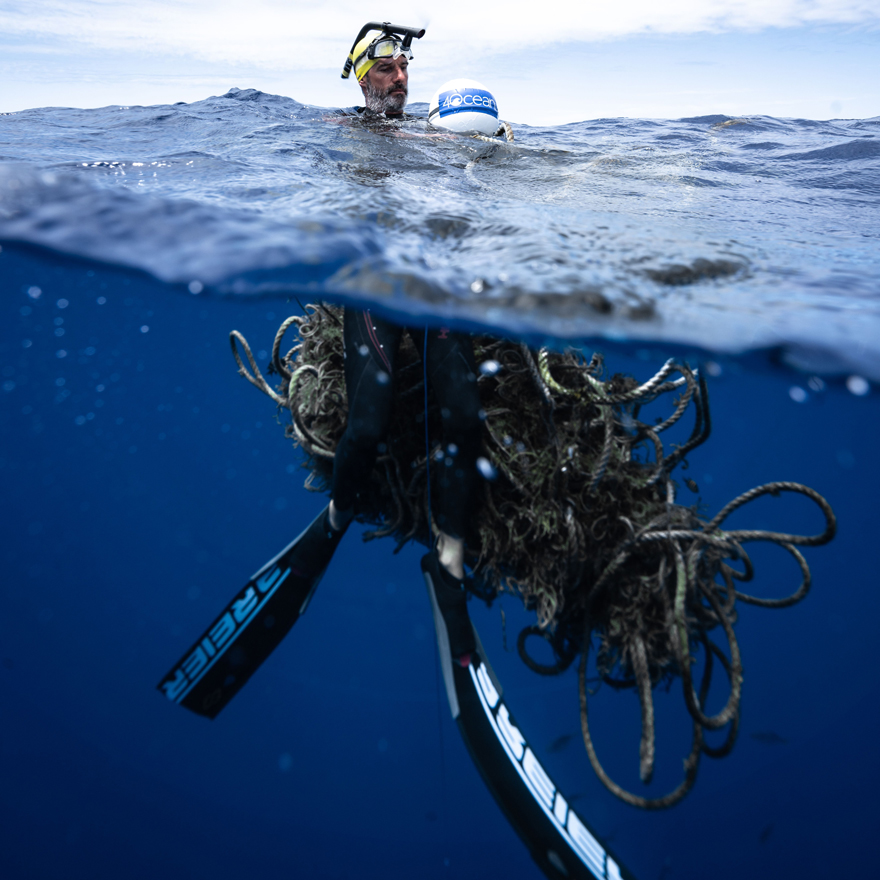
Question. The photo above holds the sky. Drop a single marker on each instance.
(814, 59)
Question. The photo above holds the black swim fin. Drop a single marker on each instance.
(452, 604)
(560, 842)
(216, 667)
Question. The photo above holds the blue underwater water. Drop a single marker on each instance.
(143, 481)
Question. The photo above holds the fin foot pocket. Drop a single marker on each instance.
(317, 545)
(452, 601)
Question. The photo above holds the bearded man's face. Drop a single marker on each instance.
(385, 87)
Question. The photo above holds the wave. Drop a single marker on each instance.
(724, 233)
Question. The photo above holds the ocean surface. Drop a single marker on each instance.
(143, 481)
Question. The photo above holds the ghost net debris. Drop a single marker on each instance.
(580, 520)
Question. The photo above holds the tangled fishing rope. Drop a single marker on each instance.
(504, 128)
(580, 520)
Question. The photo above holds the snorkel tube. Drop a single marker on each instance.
(386, 29)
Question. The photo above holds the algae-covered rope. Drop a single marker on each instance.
(778, 537)
(550, 382)
(564, 657)
(585, 532)
(681, 407)
(639, 658)
(725, 748)
(302, 432)
(256, 379)
(543, 390)
(277, 363)
(607, 447)
(699, 435)
(796, 596)
(685, 583)
(691, 763)
(652, 387)
(504, 128)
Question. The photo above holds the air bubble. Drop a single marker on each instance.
(486, 468)
(858, 385)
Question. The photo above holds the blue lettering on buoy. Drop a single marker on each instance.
(467, 101)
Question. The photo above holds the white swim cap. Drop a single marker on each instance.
(464, 105)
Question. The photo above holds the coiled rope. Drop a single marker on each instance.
(581, 521)
(504, 128)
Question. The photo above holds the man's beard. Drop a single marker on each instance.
(383, 101)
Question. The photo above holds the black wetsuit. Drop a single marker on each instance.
(371, 346)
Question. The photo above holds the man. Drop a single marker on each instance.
(381, 66)
(380, 57)
(385, 86)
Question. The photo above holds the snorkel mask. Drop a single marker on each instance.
(393, 41)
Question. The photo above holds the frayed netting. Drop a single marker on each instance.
(577, 517)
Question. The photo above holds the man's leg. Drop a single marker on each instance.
(453, 376)
(370, 346)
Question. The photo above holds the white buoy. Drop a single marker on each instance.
(464, 105)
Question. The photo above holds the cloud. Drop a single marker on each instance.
(291, 34)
